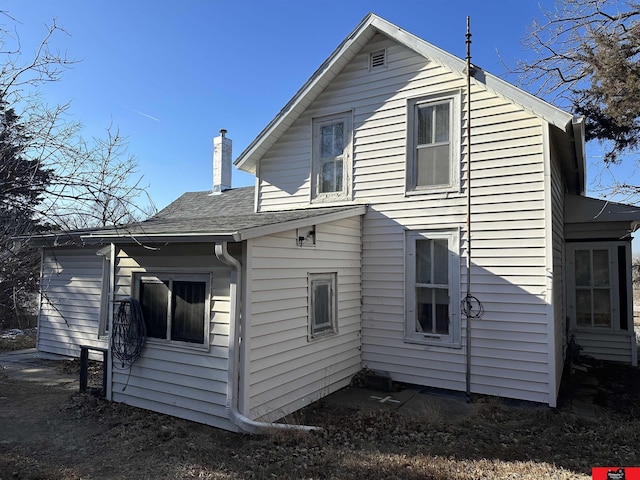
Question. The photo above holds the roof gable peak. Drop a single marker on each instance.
(348, 49)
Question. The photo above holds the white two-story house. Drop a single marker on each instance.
(405, 218)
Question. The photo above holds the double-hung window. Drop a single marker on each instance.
(331, 157)
(433, 148)
(175, 306)
(432, 287)
(322, 304)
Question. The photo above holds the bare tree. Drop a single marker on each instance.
(50, 176)
(586, 57)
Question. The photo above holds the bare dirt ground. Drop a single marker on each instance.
(56, 433)
(53, 432)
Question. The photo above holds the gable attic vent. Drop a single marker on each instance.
(378, 59)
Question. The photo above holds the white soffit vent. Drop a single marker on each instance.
(377, 59)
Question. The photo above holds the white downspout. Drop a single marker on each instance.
(236, 320)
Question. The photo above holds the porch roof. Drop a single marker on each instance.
(580, 209)
(207, 217)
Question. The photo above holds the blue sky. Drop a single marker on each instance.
(170, 74)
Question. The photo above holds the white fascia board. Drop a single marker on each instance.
(579, 146)
(248, 159)
(548, 112)
(261, 231)
(143, 239)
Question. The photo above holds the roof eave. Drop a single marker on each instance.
(249, 158)
(263, 230)
(581, 209)
(160, 238)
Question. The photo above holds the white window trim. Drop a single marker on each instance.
(453, 339)
(612, 247)
(180, 276)
(330, 278)
(345, 193)
(455, 125)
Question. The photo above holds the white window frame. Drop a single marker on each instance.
(412, 335)
(331, 327)
(612, 248)
(316, 164)
(454, 98)
(177, 276)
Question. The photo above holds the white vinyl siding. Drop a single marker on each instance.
(510, 342)
(287, 371)
(557, 330)
(71, 300)
(181, 380)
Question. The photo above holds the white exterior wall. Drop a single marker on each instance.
(186, 382)
(606, 345)
(71, 300)
(287, 370)
(510, 343)
(559, 326)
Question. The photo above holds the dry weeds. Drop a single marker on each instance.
(55, 434)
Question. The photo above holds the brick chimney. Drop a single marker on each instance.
(221, 163)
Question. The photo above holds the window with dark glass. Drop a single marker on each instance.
(173, 309)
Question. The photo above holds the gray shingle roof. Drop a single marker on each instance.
(228, 214)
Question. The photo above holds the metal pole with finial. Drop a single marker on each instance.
(468, 142)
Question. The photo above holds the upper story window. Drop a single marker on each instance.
(433, 154)
(331, 157)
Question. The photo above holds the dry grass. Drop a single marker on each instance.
(497, 442)
(18, 342)
(81, 436)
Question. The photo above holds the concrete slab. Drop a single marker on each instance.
(407, 401)
(38, 367)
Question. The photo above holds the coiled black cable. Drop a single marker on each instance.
(471, 307)
(129, 332)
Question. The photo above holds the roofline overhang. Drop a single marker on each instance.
(155, 239)
(581, 209)
(371, 24)
(211, 237)
(254, 232)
